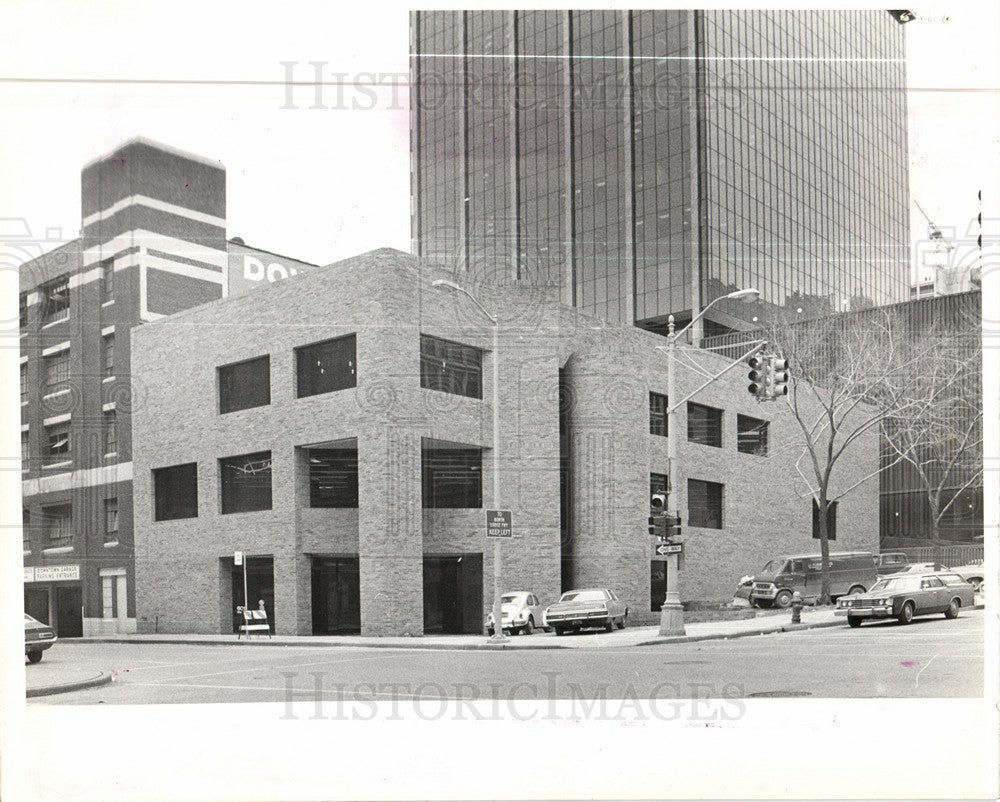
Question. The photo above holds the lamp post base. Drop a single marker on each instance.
(672, 619)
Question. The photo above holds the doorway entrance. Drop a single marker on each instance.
(69, 612)
(260, 585)
(453, 594)
(336, 596)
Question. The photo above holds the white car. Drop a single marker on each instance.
(519, 612)
(973, 573)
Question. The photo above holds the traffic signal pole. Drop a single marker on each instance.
(671, 613)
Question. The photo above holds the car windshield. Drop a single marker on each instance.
(583, 595)
(774, 567)
(894, 583)
(510, 598)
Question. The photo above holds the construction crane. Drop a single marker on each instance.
(934, 233)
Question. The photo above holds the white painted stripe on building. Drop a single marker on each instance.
(107, 330)
(85, 277)
(158, 242)
(182, 269)
(109, 406)
(24, 359)
(55, 349)
(158, 205)
(24, 427)
(105, 475)
(57, 419)
(34, 298)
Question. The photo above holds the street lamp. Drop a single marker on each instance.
(444, 284)
(672, 613)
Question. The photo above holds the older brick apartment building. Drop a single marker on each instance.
(152, 242)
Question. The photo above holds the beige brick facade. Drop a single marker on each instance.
(183, 567)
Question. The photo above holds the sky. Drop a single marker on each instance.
(322, 184)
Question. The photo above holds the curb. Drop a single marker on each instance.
(103, 678)
(747, 633)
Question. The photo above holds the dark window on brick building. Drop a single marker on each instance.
(326, 366)
(55, 300)
(110, 432)
(658, 414)
(58, 523)
(25, 529)
(107, 279)
(24, 383)
(56, 372)
(704, 425)
(451, 367)
(246, 482)
(452, 477)
(704, 504)
(751, 435)
(109, 355)
(175, 492)
(22, 312)
(58, 443)
(657, 584)
(245, 384)
(110, 520)
(333, 477)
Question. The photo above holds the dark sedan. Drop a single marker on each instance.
(904, 596)
(37, 638)
(589, 607)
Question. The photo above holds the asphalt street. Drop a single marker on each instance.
(930, 658)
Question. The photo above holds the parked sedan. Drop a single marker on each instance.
(903, 596)
(519, 612)
(973, 573)
(588, 607)
(37, 638)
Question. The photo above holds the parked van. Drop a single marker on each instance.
(850, 572)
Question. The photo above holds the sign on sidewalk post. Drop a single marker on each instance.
(499, 524)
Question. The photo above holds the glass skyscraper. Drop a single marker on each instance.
(648, 162)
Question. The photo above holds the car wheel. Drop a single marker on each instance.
(952, 611)
(560, 631)
(34, 657)
(856, 589)
(529, 627)
(906, 614)
(783, 599)
(547, 629)
(621, 623)
(854, 621)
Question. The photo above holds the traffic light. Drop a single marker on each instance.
(779, 377)
(758, 376)
(671, 527)
(657, 511)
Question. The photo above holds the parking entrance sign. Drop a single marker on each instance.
(498, 523)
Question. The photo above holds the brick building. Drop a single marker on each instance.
(152, 242)
(337, 429)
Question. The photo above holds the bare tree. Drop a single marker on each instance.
(938, 432)
(848, 374)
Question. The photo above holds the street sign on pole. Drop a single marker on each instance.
(499, 524)
(238, 558)
(670, 548)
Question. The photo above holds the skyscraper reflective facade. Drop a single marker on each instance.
(651, 161)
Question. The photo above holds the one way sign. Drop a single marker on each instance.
(670, 548)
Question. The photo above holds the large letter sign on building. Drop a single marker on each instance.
(498, 523)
